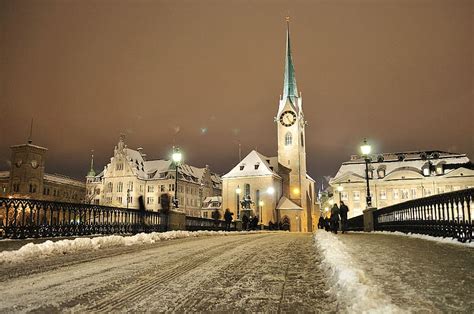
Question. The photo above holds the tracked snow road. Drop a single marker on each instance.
(267, 272)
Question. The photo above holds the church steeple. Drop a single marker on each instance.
(92, 171)
(289, 85)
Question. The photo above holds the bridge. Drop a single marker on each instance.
(270, 271)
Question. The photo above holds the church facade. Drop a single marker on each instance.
(277, 189)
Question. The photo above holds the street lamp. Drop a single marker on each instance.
(238, 190)
(340, 188)
(261, 213)
(365, 149)
(177, 157)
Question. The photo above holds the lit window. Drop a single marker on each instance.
(151, 188)
(396, 195)
(404, 194)
(383, 194)
(344, 196)
(120, 187)
(356, 195)
(413, 193)
(288, 139)
(119, 166)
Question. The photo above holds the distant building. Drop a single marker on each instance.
(27, 178)
(129, 175)
(398, 177)
(278, 189)
(210, 204)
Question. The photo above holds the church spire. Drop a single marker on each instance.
(289, 85)
(92, 171)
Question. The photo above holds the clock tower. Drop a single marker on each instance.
(291, 130)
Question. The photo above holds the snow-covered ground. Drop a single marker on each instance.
(259, 272)
(428, 238)
(387, 273)
(61, 247)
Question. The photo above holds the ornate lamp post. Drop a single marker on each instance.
(177, 157)
(365, 149)
(261, 212)
(340, 188)
(238, 190)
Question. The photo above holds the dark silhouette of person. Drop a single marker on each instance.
(228, 219)
(327, 224)
(321, 222)
(343, 209)
(335, 218)
(245, 222)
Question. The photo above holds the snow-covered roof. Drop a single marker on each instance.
(162, 168)
(414, 161)
(59, 178)
(253, 165)
(29, 145)
(286, 203)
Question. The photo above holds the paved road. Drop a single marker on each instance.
(258, 272)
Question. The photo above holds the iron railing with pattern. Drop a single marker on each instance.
(26, 218)
(356, 223)
(197, 223)
(443, 215)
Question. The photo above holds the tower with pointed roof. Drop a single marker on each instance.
(279, 188)
(291, 129)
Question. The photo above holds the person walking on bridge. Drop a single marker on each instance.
(335, 218)
(343, 209)
(228, 219)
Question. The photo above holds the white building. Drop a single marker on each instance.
(129, 175)
(398, 177)
(279, 187)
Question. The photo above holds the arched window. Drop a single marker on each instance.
(288, 139)
(247, 189)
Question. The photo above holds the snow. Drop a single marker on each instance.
(427, 237)
(252, 160)
(353, 289)
(50, 248)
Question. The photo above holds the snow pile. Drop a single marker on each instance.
(50, 248)
(353, 290)
(428, 237)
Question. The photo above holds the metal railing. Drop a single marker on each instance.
(27, 218)
(355, 223)
(443, 215)
(197, 223)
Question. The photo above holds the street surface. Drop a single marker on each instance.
(417, 275)
(255, 272)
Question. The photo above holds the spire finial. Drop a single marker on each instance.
(289, 85)
(30, 137)
(91, 170)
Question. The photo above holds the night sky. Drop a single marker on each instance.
(206, 75)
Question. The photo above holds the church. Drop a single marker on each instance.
(277, 189)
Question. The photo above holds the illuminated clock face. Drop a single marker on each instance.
(34, 164)
(288, 118)
(18, 163)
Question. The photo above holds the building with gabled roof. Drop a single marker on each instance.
(129, 175)
(278, 189)
(401, 176)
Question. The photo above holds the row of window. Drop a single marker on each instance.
(151, 188)
(403, 194)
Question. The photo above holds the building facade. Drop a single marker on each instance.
(27, 178)
(279, 187)
(399, 177)
(129, 175)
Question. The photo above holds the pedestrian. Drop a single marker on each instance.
(335, 218)
(245, 222)
(321, 222)
(254, 223)
(327, 224)
(228, 219)
(343, 209)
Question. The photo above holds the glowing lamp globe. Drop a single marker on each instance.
(177, 156)
(260, 203)
(365, 148)
(271, 190)
(340, 188)
(238, 190)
